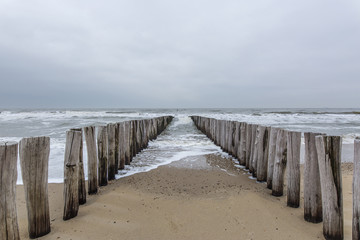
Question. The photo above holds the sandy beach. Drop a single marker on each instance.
(203, 197)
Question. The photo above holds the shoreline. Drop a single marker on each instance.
(193, 198)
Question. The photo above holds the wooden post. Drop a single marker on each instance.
(121, 145)
(256, 151)
(312, 187)
(102, 143)
(111, 147)
(117, 150)
(356, 192)
(132, 139)
(129, 142)
(248, 145)
(71, 174)
(82, 187)
(218, 133)
(329, 156)
(279, 163)
(138, 136)
(293, 172)
(236, 139)
(212, 129)
(271, 156)
(252, 148)
(262, 156)
(89, 133)
(9, 229)
(34, 160)
(222, 134)
(231, 138)
(242, 144)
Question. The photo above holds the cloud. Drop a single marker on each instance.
(179, 53)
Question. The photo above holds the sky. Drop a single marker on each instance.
(179, 54)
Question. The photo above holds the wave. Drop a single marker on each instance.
(313, 113)
(120, 112)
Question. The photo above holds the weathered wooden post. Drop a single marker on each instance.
(89, 133)
(117, 150)
(129, 142)
(102, 143)
(329, 156)
(293, 169)
(219, 132)
(131, 139)
(255, 153)
(111, 147)
(271, 156)
(82, 187)
(9, 229)
(279, 163)
(232, 140)
(262, 153)
(248, 145)
(222, 134)
(252, 166)
(236, 139)
(242, 144)
(212, 129)
(138, 136)
(121, 145)
(34, 159)
(71, 174)
(356, 192)
(312, 187)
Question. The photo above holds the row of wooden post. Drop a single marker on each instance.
(269, 153)
(116, 145)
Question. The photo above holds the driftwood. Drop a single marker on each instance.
(71, 174)
(356, 192)
(102, 142)
(34, 158)
(271, 156)
(293, 169)
(329, 157)
(312, 187)
(279, 163)
(9, 229)
(89, 133)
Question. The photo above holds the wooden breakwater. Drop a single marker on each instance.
(271, 153)
(114, 147)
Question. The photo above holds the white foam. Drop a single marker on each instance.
(180, 140)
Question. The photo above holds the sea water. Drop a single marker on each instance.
(180, 140)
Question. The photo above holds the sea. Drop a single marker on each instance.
(181, 140)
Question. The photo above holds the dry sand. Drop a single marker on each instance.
(185, 200)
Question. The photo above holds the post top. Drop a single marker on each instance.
(8, 143)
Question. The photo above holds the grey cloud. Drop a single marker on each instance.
(179, 53)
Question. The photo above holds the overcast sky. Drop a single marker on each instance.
(161, 53)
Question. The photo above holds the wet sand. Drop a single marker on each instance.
(203, 197)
